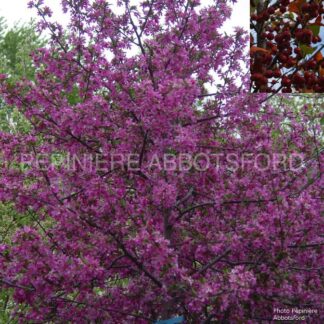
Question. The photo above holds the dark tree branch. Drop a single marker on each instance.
(213, 261)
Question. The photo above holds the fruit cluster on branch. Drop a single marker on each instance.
(286, 46)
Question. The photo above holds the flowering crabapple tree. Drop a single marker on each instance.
(286, 46)
(226, 239)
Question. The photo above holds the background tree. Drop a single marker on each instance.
(287, 46)
(16, 47)
(124, 244)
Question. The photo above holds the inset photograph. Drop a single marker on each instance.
(287, 46)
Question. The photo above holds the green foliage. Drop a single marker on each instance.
(16, 45)
(11, 120)
(5, 305)
(10, 220)
(315, 29)
(74, 97)
(306, 50)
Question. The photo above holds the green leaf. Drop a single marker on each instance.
(73, 97)
(306, 50)
(275, 133)
(289, 15)
(322, 121)
(132, 93)
(314, 28)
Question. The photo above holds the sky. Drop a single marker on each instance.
(16, 11)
